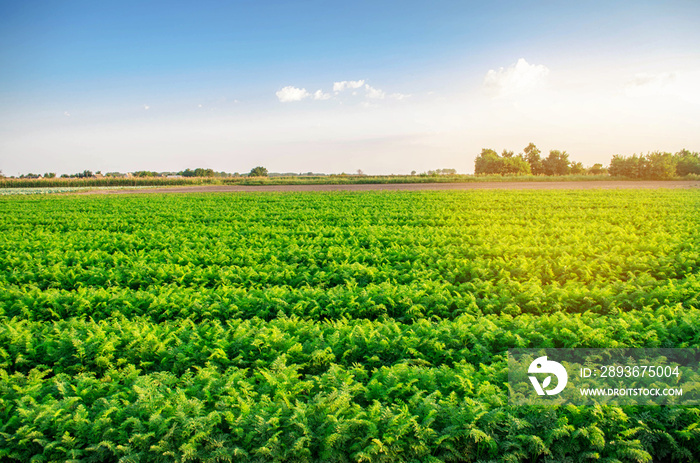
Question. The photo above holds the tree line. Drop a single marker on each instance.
(656, 165)
(258, 171)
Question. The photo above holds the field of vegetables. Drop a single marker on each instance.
(335, 327)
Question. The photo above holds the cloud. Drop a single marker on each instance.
(347, 84)
(374, 93)
(66, 113)
(319, 95)
(681, 86)
(651, 85)
(146, 107)
(289, 94)
(519, 78)
(359, 88)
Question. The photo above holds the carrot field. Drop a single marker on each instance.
(335, 326)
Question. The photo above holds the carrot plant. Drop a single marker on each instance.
(335, 326)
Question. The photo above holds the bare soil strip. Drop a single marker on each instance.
(584, 185)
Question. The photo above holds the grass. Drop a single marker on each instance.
(6, 183)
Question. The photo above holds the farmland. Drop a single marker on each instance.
(335, 326)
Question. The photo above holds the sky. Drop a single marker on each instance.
(387, 87)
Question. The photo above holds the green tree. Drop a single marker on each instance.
(687, 163)
(515, 165)
(84, 174)
(488, 162)
(200, 172)
(660, 166)
(145, 173)
(557, 163)
(258, 172)
(577, 168)
(631, 167)
(597, 169)
(532, 155)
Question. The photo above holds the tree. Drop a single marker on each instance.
(597, 169)
(515, 165)
(557, 163)
(687, 163)
(577, 168)
(145, 173)
(630, 167)
(200, 172)
(489, 162)
(84, 174)
(532, 155)
(50, 175)
(258, 172)
(660, 165)
(656, 165)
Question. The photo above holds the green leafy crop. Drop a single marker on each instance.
(342, 327)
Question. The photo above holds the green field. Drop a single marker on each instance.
(335, 326)
(342, 179)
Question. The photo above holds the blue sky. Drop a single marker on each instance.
(386, 87)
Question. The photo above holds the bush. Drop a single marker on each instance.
(259, 171)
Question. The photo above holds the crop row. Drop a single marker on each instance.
(76, 345)
(278, 415)
(405, 303)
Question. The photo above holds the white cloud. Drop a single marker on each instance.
(356, 88)
(347, 84)
(289, 94)
(66, 113)
(374, 93)
(651, 84)
(520, 78)
(319, 95)
(398, 96)
(678, 85)
(146, 107)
